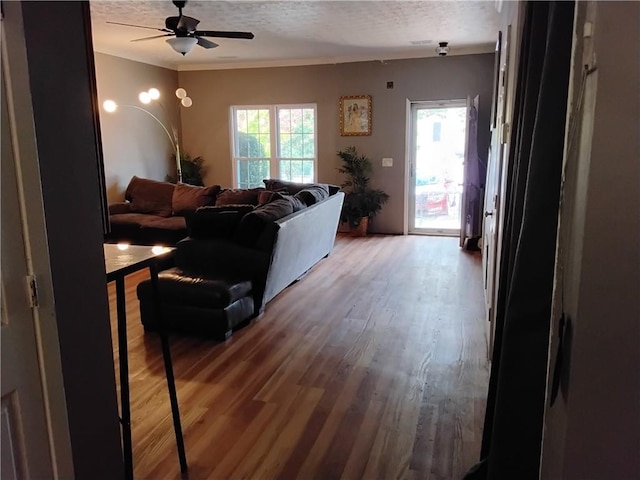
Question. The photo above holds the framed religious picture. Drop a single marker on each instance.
(355, 115)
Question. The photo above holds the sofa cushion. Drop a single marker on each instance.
(253, 223)
(267, 196)
(164, 223)
(238, 196)
(119, 208)
(131, 218)
(188, 198)
(150, 196)
(145, 229)
(126, 226)
(216, 221)
(226, 258)
(296, 203)
(313, 194)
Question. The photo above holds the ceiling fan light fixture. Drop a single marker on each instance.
(144, 97)
(154, 93)
(182, 45)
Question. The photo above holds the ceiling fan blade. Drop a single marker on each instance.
(205, 43)
(187, 23)
(141, 26)
(151, 38)
(215, 33)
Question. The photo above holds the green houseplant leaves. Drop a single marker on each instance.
(360, 200)
(192, 170)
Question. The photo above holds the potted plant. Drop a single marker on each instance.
(361, 202)
(192, 170)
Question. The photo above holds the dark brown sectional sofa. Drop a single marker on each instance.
(269, 236)
(272, 244)
(153, 212)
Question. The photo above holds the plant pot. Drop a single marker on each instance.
(361, 229)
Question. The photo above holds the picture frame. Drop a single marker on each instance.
(355, 115)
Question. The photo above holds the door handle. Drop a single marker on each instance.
(488, 214)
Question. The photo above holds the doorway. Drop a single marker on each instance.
(436, 178)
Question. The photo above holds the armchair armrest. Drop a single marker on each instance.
(120, 207)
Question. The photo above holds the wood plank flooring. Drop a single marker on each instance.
(373, 366)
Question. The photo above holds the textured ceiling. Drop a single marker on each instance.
(298, 33)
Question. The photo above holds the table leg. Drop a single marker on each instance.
(125, 407)
(168, 367)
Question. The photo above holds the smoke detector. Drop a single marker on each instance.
(442, 49)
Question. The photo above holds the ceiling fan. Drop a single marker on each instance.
(184, 33)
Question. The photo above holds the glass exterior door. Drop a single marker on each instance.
(439, 134)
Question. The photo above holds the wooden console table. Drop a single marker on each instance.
(120, 262)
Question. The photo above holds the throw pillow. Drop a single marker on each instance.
(216, 222)
(253, 223)
(267, 196)
(296, 203)
(292, 187)
(150, 196)
(239, 196)
(313, 194)
(188, 198)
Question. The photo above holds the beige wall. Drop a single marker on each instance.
(205, 126)
(132, 142)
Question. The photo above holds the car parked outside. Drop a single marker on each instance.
(432, 196)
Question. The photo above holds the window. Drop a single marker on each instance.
(437, 129)
(276, 141)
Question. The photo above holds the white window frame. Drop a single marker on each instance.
(274, 137)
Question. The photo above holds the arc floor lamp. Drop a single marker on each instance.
(153, 95)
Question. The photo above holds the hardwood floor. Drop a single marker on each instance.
(373, 366)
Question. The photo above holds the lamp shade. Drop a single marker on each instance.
(110, 106)
(182, 45)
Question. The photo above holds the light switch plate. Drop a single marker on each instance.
(387, 162)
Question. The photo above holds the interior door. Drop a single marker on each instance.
(470, 164)
(495, 170)
(489, 229)
(25, 438)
